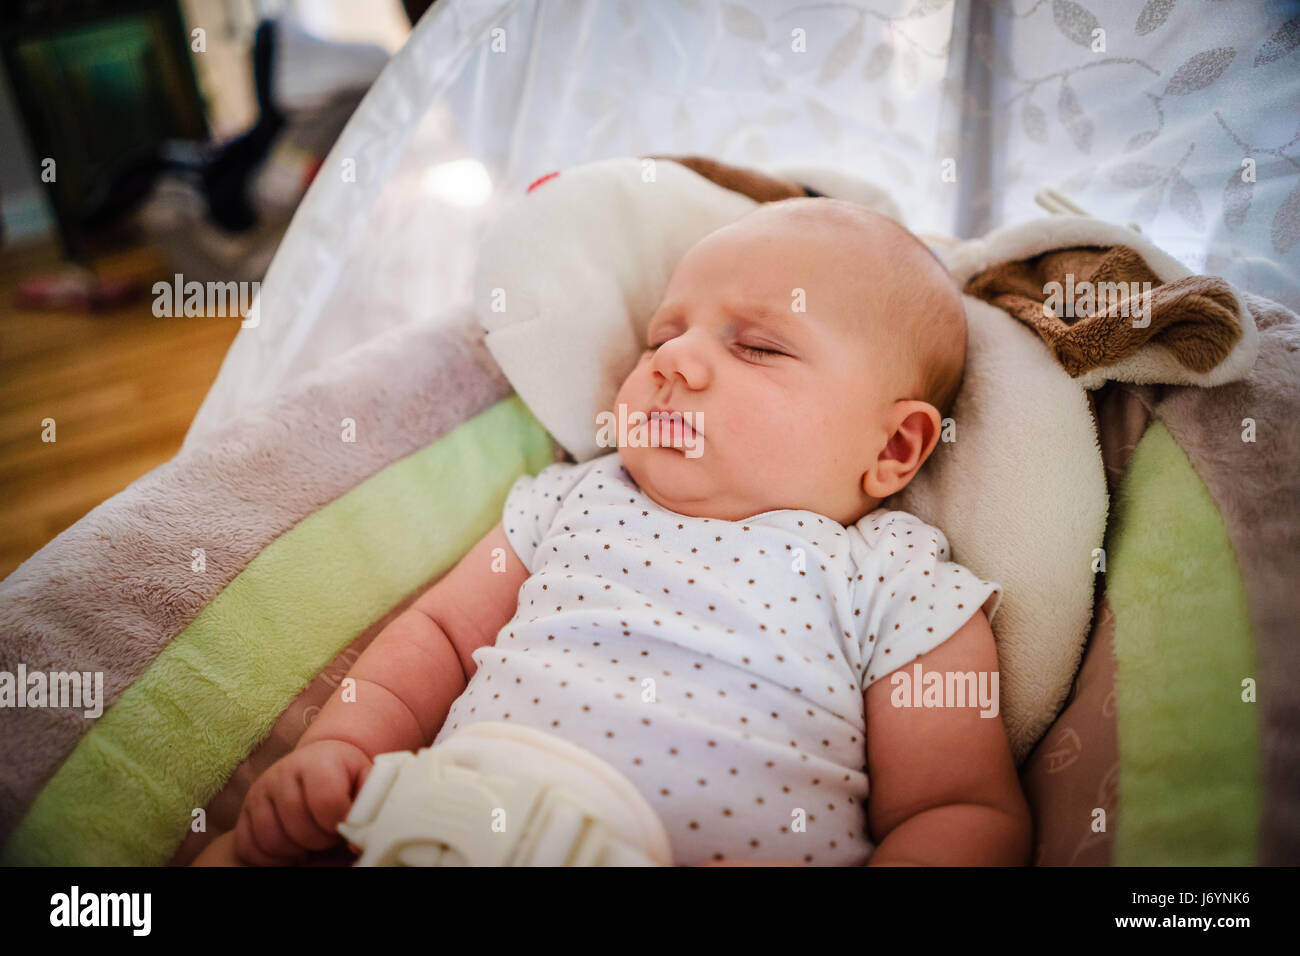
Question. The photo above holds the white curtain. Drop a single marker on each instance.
(1147, 114)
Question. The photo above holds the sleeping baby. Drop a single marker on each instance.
(732, 555)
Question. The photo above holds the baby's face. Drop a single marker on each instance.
(775, 340)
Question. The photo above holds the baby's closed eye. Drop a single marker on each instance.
(751, 350)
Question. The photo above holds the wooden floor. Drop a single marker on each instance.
(122, 387)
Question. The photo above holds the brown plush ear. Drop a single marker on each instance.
(1194, 318)
(748, 182)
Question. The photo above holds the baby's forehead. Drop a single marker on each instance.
(870, 262)
(848, 245)
(852, 244)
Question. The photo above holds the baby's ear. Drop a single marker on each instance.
(930, 422)
(915, 434)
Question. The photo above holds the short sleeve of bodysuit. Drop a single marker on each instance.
(533, 502)
(908, 598)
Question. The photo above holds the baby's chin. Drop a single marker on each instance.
(681, 485)
(671, 480)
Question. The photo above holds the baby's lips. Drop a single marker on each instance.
(686, 419)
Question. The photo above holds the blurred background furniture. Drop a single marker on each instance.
(141, 139)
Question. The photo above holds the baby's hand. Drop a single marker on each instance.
(295, 807)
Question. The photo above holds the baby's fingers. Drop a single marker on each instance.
(246, 846)
(268, 832)
(292, 808)
(328, 791)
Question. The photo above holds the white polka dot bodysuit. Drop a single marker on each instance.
(719, 665)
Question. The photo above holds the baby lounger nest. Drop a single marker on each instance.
(1133, 488)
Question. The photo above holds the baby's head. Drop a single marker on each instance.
(864, 339)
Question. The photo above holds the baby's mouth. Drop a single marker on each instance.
(674, 428)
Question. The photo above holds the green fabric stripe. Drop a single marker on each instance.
(1190, 778)
(126, 793)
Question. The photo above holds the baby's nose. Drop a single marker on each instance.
(678, 358)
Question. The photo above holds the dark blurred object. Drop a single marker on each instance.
(96, 80)
(416, 9)
(224, 171)
(218, 209)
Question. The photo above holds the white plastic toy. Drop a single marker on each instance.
(499, 794)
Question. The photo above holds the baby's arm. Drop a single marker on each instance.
(405, 683)
(408, 678)
(944, 789)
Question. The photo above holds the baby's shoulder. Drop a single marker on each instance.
(889, 541)
(887, 544)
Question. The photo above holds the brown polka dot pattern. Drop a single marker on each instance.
(723, 671)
